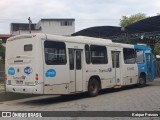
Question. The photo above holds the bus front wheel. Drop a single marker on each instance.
(93, 87)
(142, 81)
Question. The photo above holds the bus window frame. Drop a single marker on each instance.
(127, 58)
(65, 62)
(105, 57)
(143, 56)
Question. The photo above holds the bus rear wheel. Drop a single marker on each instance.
(93, 87)
(142, 81)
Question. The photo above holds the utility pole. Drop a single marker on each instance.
(30, 22)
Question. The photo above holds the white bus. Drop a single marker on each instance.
(50, 64)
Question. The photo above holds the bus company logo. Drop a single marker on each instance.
(109, 69)
(130, 68)
(23, 77)
(20, 78)
(11, 71)
(51, 73)
(28, 70)
(105, 70)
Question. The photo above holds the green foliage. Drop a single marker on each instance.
(125, 21)
(157, 48)
(2, 54)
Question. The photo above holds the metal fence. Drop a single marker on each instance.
(157, 69)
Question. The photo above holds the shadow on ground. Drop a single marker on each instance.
(73, 97)
(13, 96)
(52, 99)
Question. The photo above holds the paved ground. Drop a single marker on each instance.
(126, 99)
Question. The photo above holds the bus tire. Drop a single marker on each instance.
(142, 81)
(93, 87)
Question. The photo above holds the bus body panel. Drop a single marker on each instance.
(21, 71)
(147, 66)
(129, 71)
(116, 65)
(76, 67)
(57, 64)
(55, 76)
(130, 74)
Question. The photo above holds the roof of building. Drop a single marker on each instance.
(150, 24)
(5, 35)
(99, 31)
(58, 19)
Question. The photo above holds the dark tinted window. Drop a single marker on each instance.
(115, 59)
(140, 56)
(71, 59)
(87, 54)
(78, 60)
(28, 47)
(129, 56)
(66, 23)
(55, 53)
(98, 54)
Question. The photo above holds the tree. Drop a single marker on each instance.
(2, 54)
(157, 48)
(125, 21)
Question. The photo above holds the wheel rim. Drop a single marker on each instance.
(141, 81)
(93, 88)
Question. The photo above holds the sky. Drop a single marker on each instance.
(87, 13)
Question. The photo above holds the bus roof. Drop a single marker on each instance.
(80, 39)
(75, 39)
(142, 47)
(88, 40)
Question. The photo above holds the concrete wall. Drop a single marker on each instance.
(54, 27)
(19, 32)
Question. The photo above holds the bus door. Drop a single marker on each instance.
(75, 64)
(116, 67)
(149, 67)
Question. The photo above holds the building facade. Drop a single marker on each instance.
(49, 26)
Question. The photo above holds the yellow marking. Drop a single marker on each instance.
(117, 86)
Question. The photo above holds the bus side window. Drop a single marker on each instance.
(78, 60)
(140, 56)
(28, 47)
(98, 54)
(71, 59)
(87, 54)
(55, 53)
(129, 56)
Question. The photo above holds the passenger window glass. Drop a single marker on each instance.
(129, 56)
(115, 59)
(28, 47)
(78, 60)
(71, 59)
(140, 56)
(87, 54)
(98, 54)
(55, 53)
